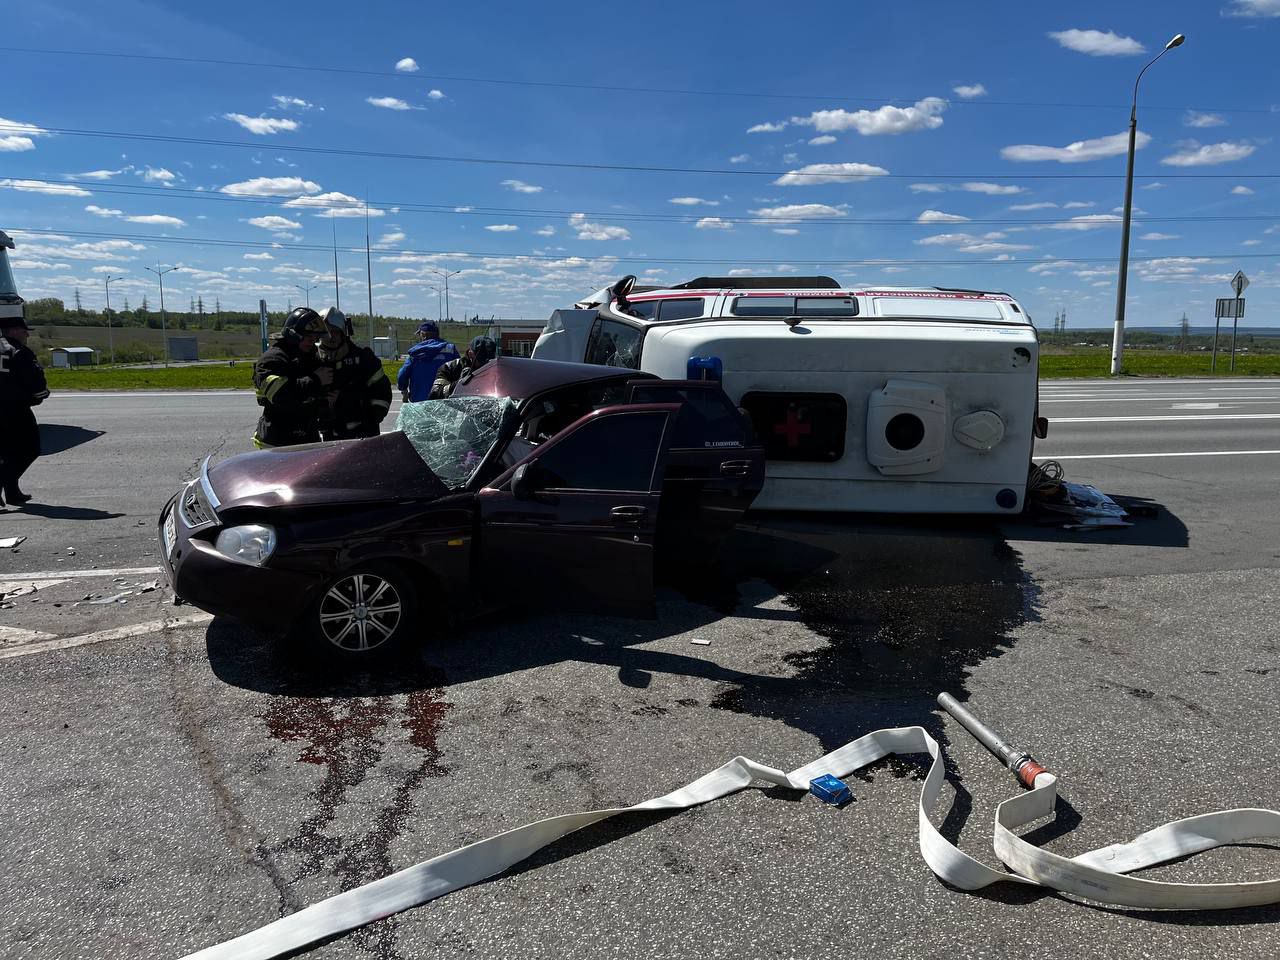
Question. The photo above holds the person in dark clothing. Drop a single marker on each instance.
(480, 352)
(421, 366)
(360, 396)
(291, 385)
(22, 386)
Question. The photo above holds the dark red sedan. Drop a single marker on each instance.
(536, 481)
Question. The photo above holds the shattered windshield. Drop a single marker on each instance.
(453, 435)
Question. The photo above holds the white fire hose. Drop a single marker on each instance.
(1098, 876)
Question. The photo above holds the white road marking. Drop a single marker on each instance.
(85, 574)
(117, 633)
(1249, 399)
(1211, 416)
(17, 635)
(1138, 456)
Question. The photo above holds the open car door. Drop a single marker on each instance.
(715, 467)
(574, 524)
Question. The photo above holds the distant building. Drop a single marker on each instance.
(515, 337)
(184, 349)
(65, 357)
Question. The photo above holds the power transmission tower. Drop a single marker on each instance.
(79, 306)
(1064, 320)
(1184, 338)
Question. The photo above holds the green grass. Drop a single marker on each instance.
(1157, 363)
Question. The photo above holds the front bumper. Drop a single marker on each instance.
(266, 598)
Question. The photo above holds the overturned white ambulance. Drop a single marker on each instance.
(920, 400)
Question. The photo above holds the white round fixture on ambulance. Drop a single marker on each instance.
(907, 428)
(982, 430)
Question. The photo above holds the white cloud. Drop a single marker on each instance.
(388, 103)
(95, 250)
(263, 126)
(968, 243)
(990, 189)
(501, 228)
(41, 186)
(292, 103)
(99, 174)
(1194, 118)
(740, 158)
(1079, 204)
(273, 222)
(937, 216)
(1078, 152)
(519, 186)
(1249, 243)
(713, 223)
(970, 91)
(786, 231)
(259, 256)
(822, 141)
(157, 220)
(767, 127)
(1253, 8)
(387, 239)
(596, 231)
(928, 187)
(816, 173)
(693, 202)
(1098, 44)
(795, 212)
(1209, 154)
(463, 209)
(1089, 221)
(334, 204)
(1157, 185)
(98, 211)
(434, 94)
(407, 65)
(271, 187)
(1160, 236)
(158, 175)
(1049, 266)
(1241, 191)
(1042, 205)
(15, 136)
(924, 115)
(547, 231)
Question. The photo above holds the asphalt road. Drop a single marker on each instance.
(164, 790)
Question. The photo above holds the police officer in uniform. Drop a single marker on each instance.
(292, 388)
(360, 396)
(22, 386)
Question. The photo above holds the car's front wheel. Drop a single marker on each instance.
(365, 613)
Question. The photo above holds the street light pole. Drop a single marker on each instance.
(445, 274)
(1122, 286)
(164, 330)
(307, 291)
(106, 284)
(436, 291)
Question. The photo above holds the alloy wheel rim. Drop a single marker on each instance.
(360, 612)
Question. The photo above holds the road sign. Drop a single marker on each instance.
(1230, 308)
(1239, 282)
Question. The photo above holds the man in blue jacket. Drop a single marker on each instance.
(425, 358)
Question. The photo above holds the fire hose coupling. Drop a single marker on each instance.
(1026, 769)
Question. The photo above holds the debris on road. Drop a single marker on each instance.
(8, 543)
(1053, 499)
(700, 641)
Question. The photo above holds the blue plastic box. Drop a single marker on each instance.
(830, 789)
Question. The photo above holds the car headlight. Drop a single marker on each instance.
(251, 543)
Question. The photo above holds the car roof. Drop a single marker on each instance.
(522, 378)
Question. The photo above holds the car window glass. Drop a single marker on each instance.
(683, 309)
(615, 452)
(764, 306)
(707, 418)
(614, 344)
(645, 309)
(795, 307)
(826, 307)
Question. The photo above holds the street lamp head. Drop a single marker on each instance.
(1177, 41)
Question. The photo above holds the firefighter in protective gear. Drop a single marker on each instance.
(22, 386)
(360, 396)
(480, 352)
(291, 385)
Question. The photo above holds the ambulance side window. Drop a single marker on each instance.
(613, 344)
(682, 309)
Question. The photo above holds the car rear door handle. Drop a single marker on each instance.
(628, 515)
(735, 468)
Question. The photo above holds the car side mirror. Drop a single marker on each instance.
(523, 484)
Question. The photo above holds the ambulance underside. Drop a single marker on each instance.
(891, 416)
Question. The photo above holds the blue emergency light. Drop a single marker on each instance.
(704, 368)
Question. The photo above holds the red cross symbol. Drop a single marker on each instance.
(793, 429)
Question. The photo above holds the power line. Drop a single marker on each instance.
(470, 210)
(562, 258)
(607, 88)
(820, 177)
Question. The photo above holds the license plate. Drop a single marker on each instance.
(170, 533)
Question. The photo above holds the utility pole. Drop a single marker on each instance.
(164, 330)
(106, 284)
(337, 298)
(368, 267)
(1117, 341)
(307, 291)
(439, 309)
(445, 274)
(1185, 333)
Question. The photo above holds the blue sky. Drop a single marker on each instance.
(929, 117)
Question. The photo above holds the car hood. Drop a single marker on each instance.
(374, 470)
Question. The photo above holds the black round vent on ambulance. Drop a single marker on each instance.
(904, 431)
(907, 428)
